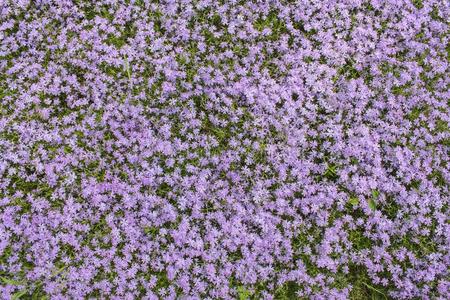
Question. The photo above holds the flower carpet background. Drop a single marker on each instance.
(224, 149)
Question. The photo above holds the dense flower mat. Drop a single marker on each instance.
(224, 149)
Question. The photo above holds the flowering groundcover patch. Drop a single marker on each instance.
(181, 149)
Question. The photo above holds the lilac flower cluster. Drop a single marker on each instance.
(180, 149)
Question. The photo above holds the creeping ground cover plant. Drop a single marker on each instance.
(224, 149)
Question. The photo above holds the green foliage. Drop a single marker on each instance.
(19, 294)
(331, 172)
(243, 293)
(11, 281)
(362, 286)
(373, 200)
(273, 22)
(287, 291)
(354, 201)
(417, 3)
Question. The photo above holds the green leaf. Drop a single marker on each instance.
(18, 294)
(377, 294)
(353, 201)
(372, 204)
(11, 281)
(375, 194)
(153, 231)
(243, 293)
(372, 201)
(127, 68)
